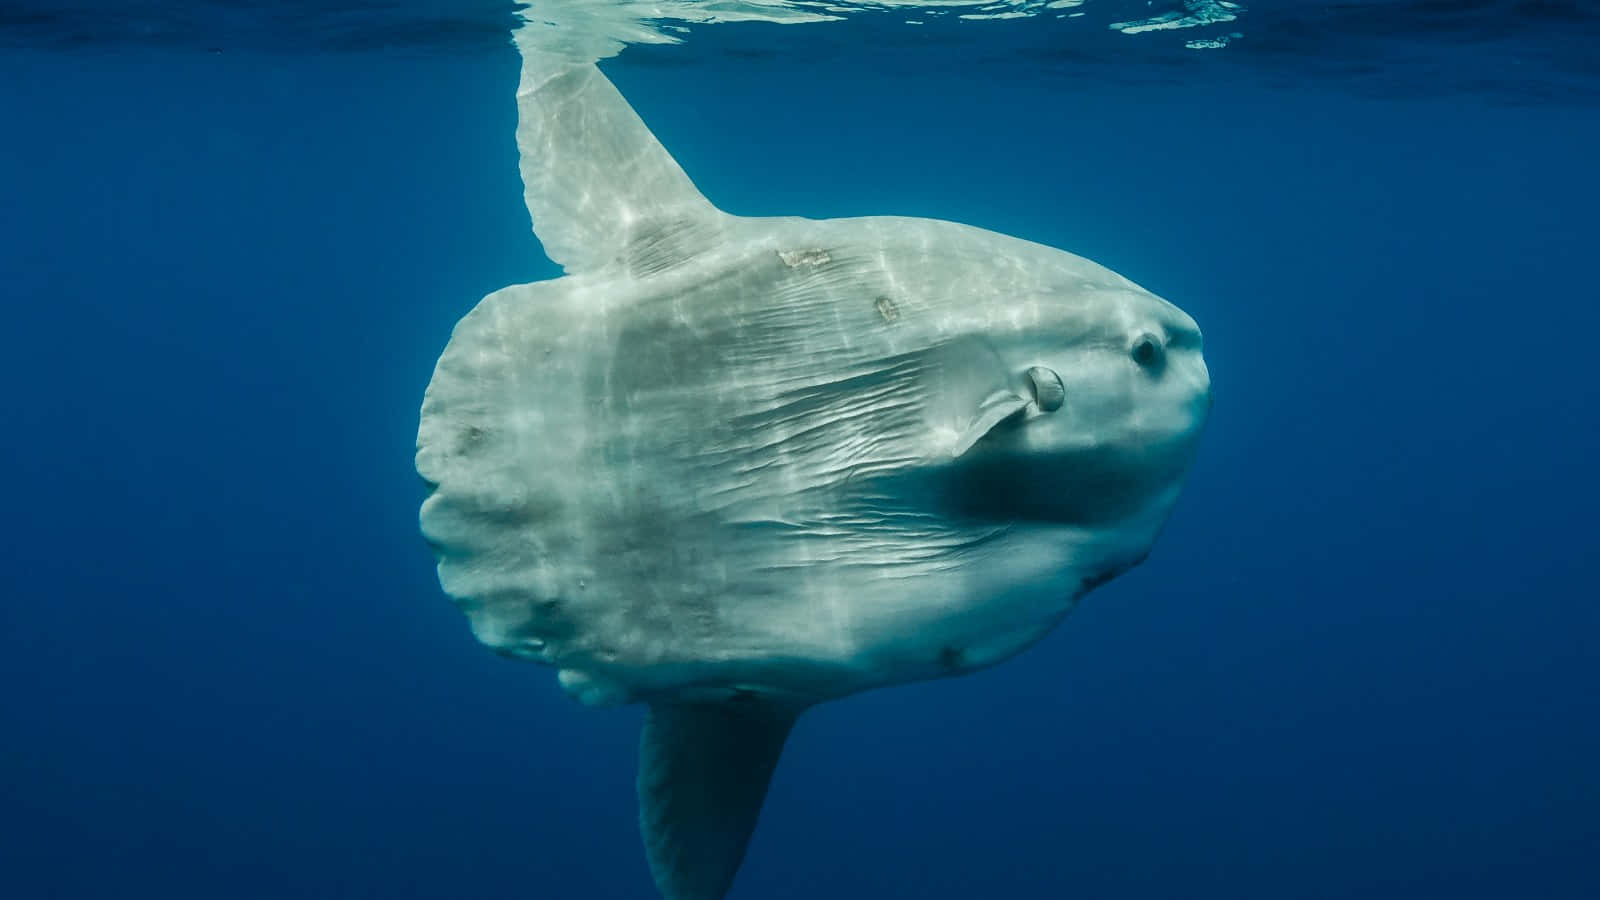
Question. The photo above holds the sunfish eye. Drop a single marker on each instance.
(1047, 389)
(1147, 350)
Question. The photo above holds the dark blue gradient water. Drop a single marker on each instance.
(1361, 662)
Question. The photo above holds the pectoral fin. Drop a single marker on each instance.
(999, 407)
(703, 774)
(970, 392)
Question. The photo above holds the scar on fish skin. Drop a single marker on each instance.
(952, 658)
(797, 258)
(470, 437)
(1092, 581)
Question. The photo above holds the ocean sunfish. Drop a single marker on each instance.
(733, 467)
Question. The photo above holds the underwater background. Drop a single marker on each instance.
(1360, 662)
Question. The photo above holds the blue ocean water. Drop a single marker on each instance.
(1361, 661)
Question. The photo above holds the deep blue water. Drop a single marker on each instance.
(1361, 662)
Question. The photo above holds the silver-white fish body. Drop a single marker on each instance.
(732, 472)
(733, 467)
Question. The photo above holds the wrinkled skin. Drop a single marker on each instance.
(733, 474)
(734, 467)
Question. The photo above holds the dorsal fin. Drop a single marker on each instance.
(703, 774)
(596, 181)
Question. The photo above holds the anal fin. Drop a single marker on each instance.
(703, 774)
